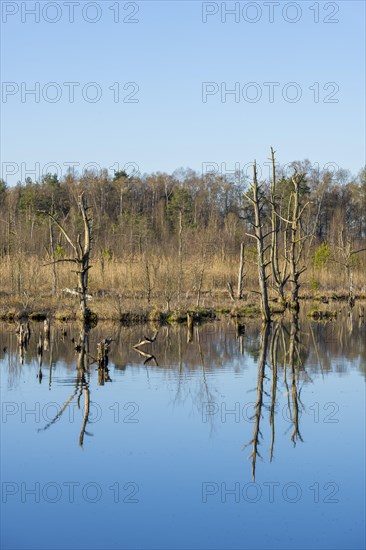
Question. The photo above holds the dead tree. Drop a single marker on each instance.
(231, 291)
(148, 281)
(102, 353)
(81, 256)
(52, 255)
(103, 348)
(296, 241)
(239, 294)
(180, 255)
(295, 238)
(201, 274)
(257, 201)
(346, 259)
(279, 273)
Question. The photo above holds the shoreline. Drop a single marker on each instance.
(319, 307)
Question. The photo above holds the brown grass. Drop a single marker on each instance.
(121, 290)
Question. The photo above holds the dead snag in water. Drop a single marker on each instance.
(189, 327)
(23, 333)
(103, 348)
(21, 341)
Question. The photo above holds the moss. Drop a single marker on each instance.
(223, 310)
(199, 315)
(9, 315)
(65, 315)
(37, 316)
(91, 318)
(157, 316)
(277, 309)
(246, 311)
(177, 317)
(321, 314)
(128, 318)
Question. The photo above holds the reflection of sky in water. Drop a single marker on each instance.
(175, 447)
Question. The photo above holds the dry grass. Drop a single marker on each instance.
(147, 289)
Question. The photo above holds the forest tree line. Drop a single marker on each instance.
(176, 233)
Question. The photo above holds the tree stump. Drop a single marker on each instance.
(102, 358)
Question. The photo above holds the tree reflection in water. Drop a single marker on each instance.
(82, 382)
(285, 351)
(187, 358)
(259, 399)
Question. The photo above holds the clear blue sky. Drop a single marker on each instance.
(169, 53)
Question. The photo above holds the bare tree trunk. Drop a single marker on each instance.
(180, 251)
(148, 280)
(231, 291)
(200, 282)
(347, 252)
(241, 273)
(279, 277)
(81, 258)
(54, 273)
(295, 247)
(258, 235)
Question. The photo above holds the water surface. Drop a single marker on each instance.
(222, 439)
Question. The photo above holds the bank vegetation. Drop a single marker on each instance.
(159, 245)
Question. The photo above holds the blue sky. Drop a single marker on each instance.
(168, 53)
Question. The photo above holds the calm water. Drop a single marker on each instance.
(221, 440)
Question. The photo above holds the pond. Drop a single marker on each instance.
(222, 436)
